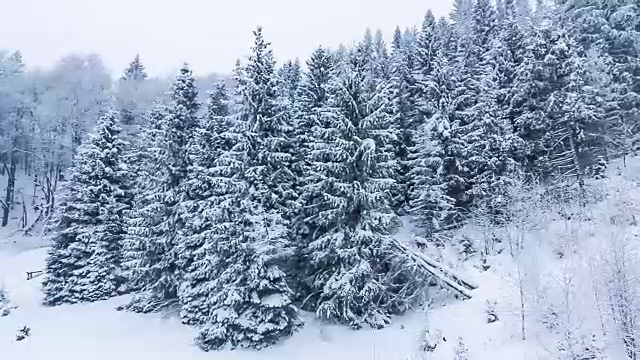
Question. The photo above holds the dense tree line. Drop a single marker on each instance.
(286, 192)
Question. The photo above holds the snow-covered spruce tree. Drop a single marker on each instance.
(313, 97)
(354, 276)
(162, 219)
(289, 77)
(527, 99)
(489, 145)
(250, 301)
(574, 138)
(380, 62)
(269, 132)
(85, 257)
(413, 98)
(135, 70)
(466, 148)
(209, 186)
(404, 111)
(128, 91)
(555, 112)
(489, 158)
(506, 55)
(461, 151)
(445, 37)
(485, 29)
(435, 171)
(607, 28)
(469, 138)
(149, 171)
(462, 18)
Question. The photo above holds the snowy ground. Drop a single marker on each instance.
(97, 331)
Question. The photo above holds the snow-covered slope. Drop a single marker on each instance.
(98, 331)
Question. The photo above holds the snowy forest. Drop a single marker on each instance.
(242, 203)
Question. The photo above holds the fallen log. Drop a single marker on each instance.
(468, 284)
(446, 278)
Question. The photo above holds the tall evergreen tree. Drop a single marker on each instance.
(149, 171)
(270, 143)
(574, 138)
(135, 71)
(128, 91)
(425, 53)
(462, 18)
(250, 301)
(380, 61)
(436, 171)
(484, 28)
(313, 100)
(490, 147)
(610, 28)
(207, 187)
(445, 37)
(289, 77)
(353, 277)
(467, 128)
(162, 266)
(405, 108)
(85, 259)
(556, 113)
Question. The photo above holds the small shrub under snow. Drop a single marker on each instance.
(23, 333)
(5, 304)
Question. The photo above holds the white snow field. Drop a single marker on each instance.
(98, 331)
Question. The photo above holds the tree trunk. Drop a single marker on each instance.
(35, 189)
(11, 184)
(576, 159)
(24, 220)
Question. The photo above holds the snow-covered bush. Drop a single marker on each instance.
(5, 303)
(23, 333)
(490, 310)
(426, 340)
(579, 347)
(461, 351)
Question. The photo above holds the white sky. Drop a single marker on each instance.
(209, 34)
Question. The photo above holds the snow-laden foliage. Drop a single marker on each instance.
(211, 183)
(158, 219)
(147, 169)
(5, 303)
(353, 278)
(235, 238)
(251, 305)
(286, 190)
(85, 258)
(268, 130)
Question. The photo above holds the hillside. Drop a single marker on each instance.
(557, 272)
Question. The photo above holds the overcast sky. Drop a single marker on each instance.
(209, 34)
